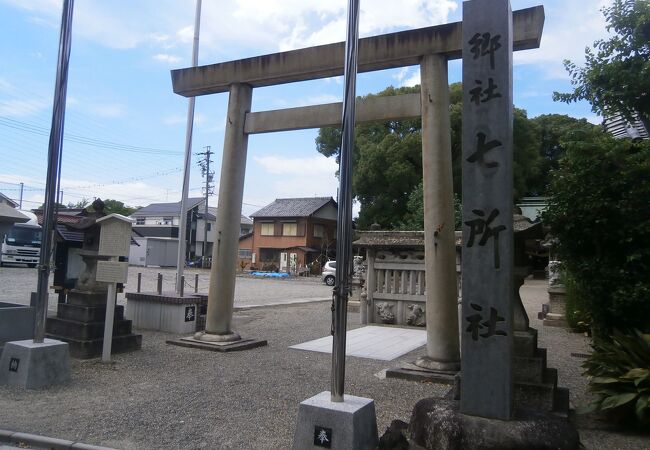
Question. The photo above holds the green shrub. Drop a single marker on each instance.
(577, 316)
(620, 377)
(600, 214)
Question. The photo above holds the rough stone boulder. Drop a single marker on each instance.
(438, 424)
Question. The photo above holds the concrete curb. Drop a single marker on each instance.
(42, 442)
(278, 304)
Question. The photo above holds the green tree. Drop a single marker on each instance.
(388, 160)
(616, 75)
(115, 206)
(600, 215)
(414, 218)
(554, 131)
(80, 204)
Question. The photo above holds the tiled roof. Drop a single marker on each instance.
(390, 239)
(293, 207)
(212, 215)
(11, 203)
(167, 208)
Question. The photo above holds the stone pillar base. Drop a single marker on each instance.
(347, 425)
(236, 342)
(556, 317)
(35, 365)
(438, 424)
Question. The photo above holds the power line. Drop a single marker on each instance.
(43, 131)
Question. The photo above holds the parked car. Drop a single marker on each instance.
(329, 273)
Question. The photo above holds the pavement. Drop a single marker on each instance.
(168, 397)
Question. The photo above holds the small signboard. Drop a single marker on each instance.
(115, 235)
(112, 271)
(322, 437)
(190, 313)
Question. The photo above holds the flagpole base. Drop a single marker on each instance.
(347, 425)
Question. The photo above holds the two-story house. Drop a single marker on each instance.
(160, 222)
(290, 233)
(209, 221)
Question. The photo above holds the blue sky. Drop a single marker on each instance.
(125, 128)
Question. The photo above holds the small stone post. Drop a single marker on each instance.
(160, 281)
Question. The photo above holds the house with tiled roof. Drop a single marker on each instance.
(160, 223)
(291, 233)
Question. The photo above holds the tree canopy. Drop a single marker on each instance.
(616, 75)
(388, 162)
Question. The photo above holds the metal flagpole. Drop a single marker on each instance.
(182, 225)
(54, 155)
(344, 217)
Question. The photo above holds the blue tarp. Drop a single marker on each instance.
(270, 274)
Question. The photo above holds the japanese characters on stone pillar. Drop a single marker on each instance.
(486, 331)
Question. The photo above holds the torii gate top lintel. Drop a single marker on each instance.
(386, 51)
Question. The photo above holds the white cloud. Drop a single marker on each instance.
(257, 25)
(177, 119)
(407, 77)
(319, 100)
(22, 107)
(111, 110)
(167, 58)
(569, 28)
(317, 165)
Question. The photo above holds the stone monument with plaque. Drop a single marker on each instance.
(80, 321)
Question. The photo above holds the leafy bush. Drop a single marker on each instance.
(577, 315)
(600, 213)
(620, 371)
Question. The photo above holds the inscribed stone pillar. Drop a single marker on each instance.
(439, 243)
(231, 192)
(488, 248)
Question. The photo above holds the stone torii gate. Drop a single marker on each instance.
(431, 48)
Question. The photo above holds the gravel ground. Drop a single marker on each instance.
(168, 397)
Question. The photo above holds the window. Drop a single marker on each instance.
(290, 229)
(209, 226)
(139, 220)
(268, 229)
(245, 253)
(168, 220)
(319, 230)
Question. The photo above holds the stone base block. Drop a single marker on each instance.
(411, 372)
(16, 323)
(34, 366)
(353, 306)
(167, 312)
(92, 348)
(233, 346)
(438, 424)
(555, 320)
(347, 425)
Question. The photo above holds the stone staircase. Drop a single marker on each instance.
(535, 383)
(82, 327)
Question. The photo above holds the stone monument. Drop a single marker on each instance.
(80, 321)
(494, 331)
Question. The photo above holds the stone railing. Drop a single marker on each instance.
(395, 287)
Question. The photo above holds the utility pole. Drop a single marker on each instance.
(209, 189)
(22, 186)
(182, 223)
